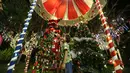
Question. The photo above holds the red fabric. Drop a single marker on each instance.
(111, 45)
(82, 6)
(113, 53)
(61, 9)
(51, 6)
(119, 71)
(58, 7)
(57, 31)
(107, 31)
(36, 63)
(33, 71)
(52, 29)
(53, 23)
(72, 14)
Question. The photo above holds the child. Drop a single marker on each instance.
(67, 62)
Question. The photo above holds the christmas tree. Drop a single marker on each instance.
(90, 58)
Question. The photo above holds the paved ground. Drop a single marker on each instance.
(20, 68)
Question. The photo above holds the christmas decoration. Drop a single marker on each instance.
(86, 51)
(70, 11)
(14, 40)
(49, 55)
(109, 38)
(27, 60)
(32, 43)
(101, 39)
(36, 67)
(19, 45)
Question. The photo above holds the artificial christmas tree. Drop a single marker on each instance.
(89, 56)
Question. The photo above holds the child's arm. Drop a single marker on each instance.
(65, 56)
(64, 60)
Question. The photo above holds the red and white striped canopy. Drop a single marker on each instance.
(71, 11)
(68, 9)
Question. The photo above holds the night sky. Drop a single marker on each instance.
(120, 7)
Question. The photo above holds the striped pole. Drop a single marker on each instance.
(20, 40)
(112, 50)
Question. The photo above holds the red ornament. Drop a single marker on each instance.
(36, 63)
(34, 71)
(55, 45)
(110, 61)
(53, 23)
(52, 29)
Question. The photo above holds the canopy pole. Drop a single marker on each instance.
(115, 60)
(21, 39)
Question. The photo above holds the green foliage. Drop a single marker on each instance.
(6, 54)
(14, 13)
(47, 42)
(92, 58)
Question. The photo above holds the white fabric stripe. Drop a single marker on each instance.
(30, 14)
(27, 19)
(101, 12)
(14, 58)
(25, 28)
(104, 23)
(16, 51)
(19, 44)
(76, 8)
(32, 7)
(88, 2)
(112, 49)
(31, 10)
(115, 57)
(110, 41)
(54, 17)
(107, 28)
(20, 39)
(23, 33)
(103, 18)
(34, 4)
(66, 12)
(108, 34)
(117, 67)
(27, 23)
(11, 67)
(43, 1)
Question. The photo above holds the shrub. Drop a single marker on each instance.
(6, 54)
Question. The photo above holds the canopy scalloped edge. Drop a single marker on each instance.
(41, 11)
